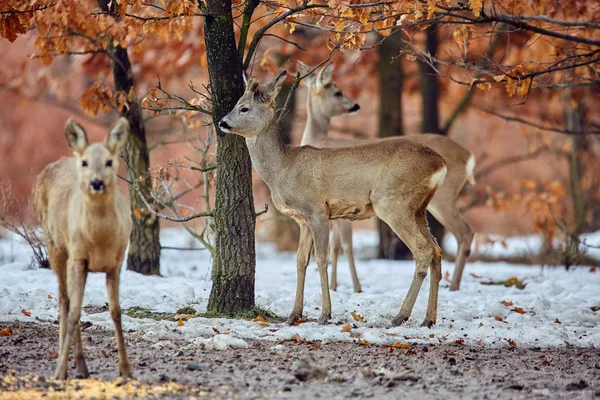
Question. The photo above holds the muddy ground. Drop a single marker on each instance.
(336, 371)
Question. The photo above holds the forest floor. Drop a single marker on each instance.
(293, 369)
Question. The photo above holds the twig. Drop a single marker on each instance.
(163, 216)
(263, 211)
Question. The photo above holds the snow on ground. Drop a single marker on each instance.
(557, 303)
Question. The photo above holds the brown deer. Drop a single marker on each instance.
(86, 222)
(394, 180)
(326, 101)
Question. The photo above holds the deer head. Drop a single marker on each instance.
(97, 163)
(324, 94)
(255, 110)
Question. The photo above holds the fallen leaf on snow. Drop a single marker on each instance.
(399, 345)
(498, 318)
(519, 310)
(475, 276)
(357, 317)
(215, 330)
(511, 342)
(260, 318)
(26, 313)
(346, 328)
(459, 341)
(432, 335)
(447, 276)
(480, 343)
(314, 346)
(300, 321)
(363, 342)
(49, 297)
(180, 322)
(557, 321)
(506, 303)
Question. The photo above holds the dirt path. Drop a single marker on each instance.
(171, 369)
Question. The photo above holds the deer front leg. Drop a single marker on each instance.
(112, 284)
(302, 259)
(335, 246)
(320, 231)
(76, 275)
(345, 233)
(81, 370)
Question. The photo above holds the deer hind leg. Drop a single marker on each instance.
(334, 247)
(81, 370)
(319, 227)
(58, 263)
(453, 220)
(112, 285)
(305, 246)
(76, 276)
(345, 232)
(410, 227)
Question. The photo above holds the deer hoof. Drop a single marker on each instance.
(333, 287)
(429, 322)
(125, 371)
(60, 374)
(357, 290)
(81, 371)
(293, 318)
(324, 318)
(400, 319)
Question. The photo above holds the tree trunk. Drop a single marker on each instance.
(391, 79)
(234, 215)
(286, 232)
(144, 244)
(430, 120)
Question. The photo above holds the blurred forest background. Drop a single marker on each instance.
(523, 101)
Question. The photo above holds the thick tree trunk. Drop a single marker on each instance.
(430, 120)
(390, 124)
(144, 244)
(234, 215)
(286, 232)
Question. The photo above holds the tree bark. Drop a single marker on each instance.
(144, 244)
(234, 215)
(431, 113)
(391, 79)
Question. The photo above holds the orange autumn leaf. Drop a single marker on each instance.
(498, 318)
(363, 342)
(459, 341)
(263, 323)
(346, 328)
(314, 346)
(6, 332)
(519, 310)
(300, 321)
(399, 345)
(506, 303)
(511, 342)
(447, 276)
(137, 213)
(432, 335)
(260, 318)
(180, 322)
(26, 313)
(357, 317)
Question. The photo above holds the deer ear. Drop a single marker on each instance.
(305, 71)
(117, 136)
(324, 76)
(76, 136)
(245, 78)
(272, 88)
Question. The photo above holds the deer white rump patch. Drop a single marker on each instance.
(470, 168)
(437, 178)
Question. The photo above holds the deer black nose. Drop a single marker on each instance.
(97, 185)
(224, 126)
(355, 108)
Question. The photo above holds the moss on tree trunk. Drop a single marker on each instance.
(234, 216)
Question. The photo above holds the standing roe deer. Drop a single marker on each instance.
(394, 180)
(86, 222)
(326, 101)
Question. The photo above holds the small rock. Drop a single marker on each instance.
(306, 368)
(577, 385)
(193, 367)
(516, 387)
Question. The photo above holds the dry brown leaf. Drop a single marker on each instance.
(480, 324)
(476, 276)
(447, 276)
(49, 297)
(137, 213)
(357, 317)
(399, 345)
(263, 323)
(346, 328)
(26, 313)
(300, 321)
(519, 310)
(506, 303)
(180, 322)
(260, 318)
(298, 339)
(459, 341)
(6, 332)
(511, 342)
(363, 342)
(593, 269)
(314, 346)
(53, 354)
(557, 321)
(480, 343)
(498, 318)
(215, 330)
(432, 335)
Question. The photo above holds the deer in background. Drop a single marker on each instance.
(326, 101)
(394, 180)
(86, 223)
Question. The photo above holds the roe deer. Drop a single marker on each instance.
(394, 180)
(326, 101)
(86, 222)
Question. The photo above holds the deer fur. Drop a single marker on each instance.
(86, 223)
(326, 101)
(394, 180)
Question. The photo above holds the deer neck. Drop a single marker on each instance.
(100, 208)
(317, 123)
(267, 152)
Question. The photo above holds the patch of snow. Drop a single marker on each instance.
(557, 302)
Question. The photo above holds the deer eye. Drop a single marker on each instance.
(84, 164)
(338, 94)
(244, 109)
(109, 163)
